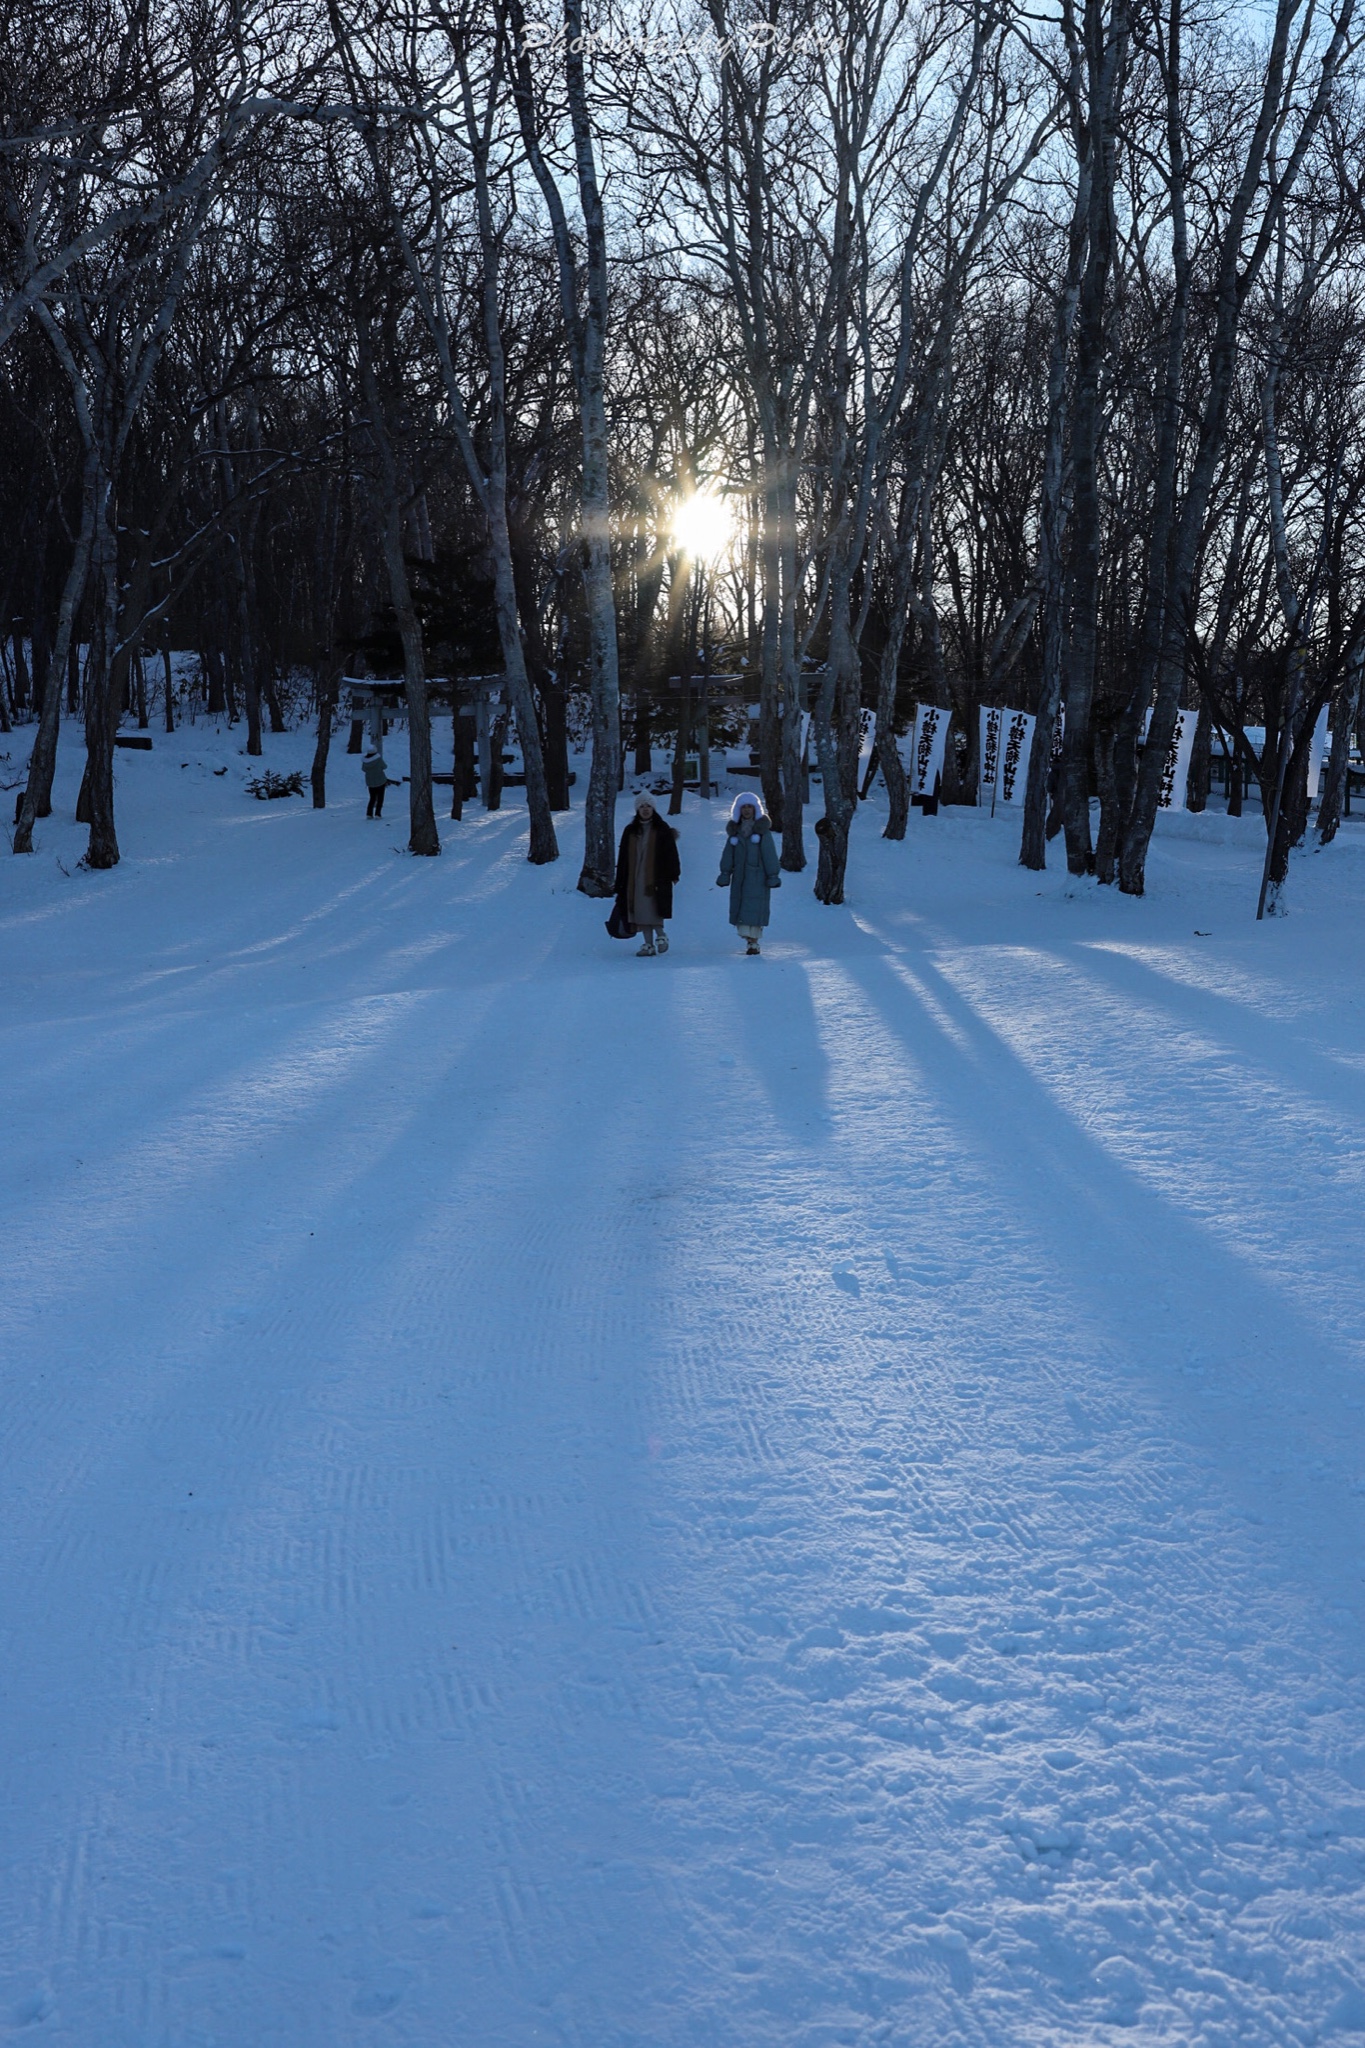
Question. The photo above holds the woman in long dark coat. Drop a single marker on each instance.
(647, 866)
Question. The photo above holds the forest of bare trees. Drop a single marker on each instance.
(388, 336)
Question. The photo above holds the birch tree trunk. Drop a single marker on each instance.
(102, 710)
(770, 684)
(423, 837)
(832, 829)
(1106, 45)
(37, 801)
(1346, 712)
(888, 753)
(544, 847)
(1170, 422)
(1052, 523)
(793, 855)
(322, 745)
(587, 325)
(598, 877)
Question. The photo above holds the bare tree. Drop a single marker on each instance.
(584, 298)
(1286, 115)
(378, 76)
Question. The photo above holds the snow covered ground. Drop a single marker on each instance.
(553, 1498)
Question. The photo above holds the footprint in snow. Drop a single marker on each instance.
(372, 2005)
(1078, 1416)
(1122, 1985)
(24, 2002)
(380, 1991)
(846, 1281)
(310, 1726)
(1348, 2014)
(953, 1951)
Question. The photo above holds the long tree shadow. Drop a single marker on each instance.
(1127, 972)
(1152, 1276)
(780, 1035)
(541, 1387)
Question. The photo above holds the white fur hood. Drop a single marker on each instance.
(747, 797)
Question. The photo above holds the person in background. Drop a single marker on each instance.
(376, 779)
(749, 863)
(647, 866)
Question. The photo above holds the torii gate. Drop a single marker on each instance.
(375, 701)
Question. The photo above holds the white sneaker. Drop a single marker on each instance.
(661, 942)
(646, 951)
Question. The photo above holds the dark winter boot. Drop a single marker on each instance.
(752, 952)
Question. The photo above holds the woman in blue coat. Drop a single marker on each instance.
(750, 865)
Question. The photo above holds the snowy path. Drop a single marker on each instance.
(551, 1498)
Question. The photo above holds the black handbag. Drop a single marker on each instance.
(619, 925)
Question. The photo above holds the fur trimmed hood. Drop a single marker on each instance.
(755, 802)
